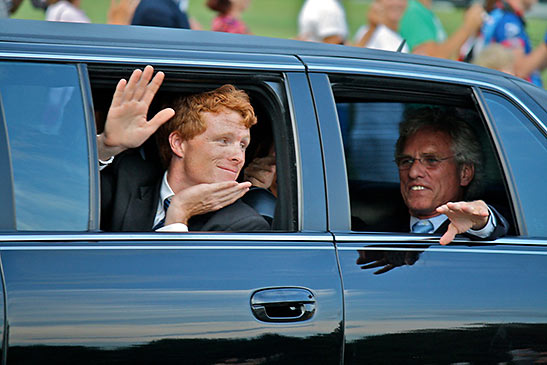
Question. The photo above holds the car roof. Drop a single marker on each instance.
(87, 39)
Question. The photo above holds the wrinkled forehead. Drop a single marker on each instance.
(428, 140)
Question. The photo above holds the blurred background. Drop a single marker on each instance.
(278, 18)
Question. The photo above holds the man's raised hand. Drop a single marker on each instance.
(126, 123)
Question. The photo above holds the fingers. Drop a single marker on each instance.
(130, 87)
(139, 87)
(142, 83)
(118, 93)
(153, 87)
(449, 235)
(160, 118)
(475, 208)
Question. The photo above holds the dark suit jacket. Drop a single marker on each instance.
(130, 190)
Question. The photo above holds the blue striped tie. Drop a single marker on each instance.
(166, 204)
(422, 226)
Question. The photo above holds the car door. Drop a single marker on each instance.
(79, 295)
(407, 298)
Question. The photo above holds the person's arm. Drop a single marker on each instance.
(334, 39)
(451, 46)
(469, 216)
(537, 60)
(374, 18)
(126, 123)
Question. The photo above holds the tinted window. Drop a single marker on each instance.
(526, 152)
(47, 136)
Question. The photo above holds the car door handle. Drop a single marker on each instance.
(283, 304)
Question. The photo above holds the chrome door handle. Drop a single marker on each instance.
(283, 304)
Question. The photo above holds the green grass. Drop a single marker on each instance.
(278, 18)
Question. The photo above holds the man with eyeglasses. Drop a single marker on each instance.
(440, 165)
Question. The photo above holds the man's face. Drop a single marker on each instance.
(426, 188)
(218, 154)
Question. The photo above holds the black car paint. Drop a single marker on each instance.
(94, 297)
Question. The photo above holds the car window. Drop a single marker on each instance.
(525, 148)
(44, 115)
(271, 135)
(369, 118)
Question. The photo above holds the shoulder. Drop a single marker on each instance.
(134, 165)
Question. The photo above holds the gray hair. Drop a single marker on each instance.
(465, 144)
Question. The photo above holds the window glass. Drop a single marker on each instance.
(526, 151)
(370, 131)
(270, 137)
(46, 129)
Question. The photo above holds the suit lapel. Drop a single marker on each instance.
(141, 209)
(443, 227)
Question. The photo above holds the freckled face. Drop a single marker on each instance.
(423, 189)
(218, 154)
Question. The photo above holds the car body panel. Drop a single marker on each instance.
(121, 297)
(88, 297)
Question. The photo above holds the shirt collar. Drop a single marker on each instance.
(437, 221)
(165, 190)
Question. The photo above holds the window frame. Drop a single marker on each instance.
(199, 79)
(413, 90)
(519, 210)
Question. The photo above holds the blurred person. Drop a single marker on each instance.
(506, 25)
(322, 21)
(497, 57)
(425, 35)
(162, 13)
(66, 11)
(261, 172)
(8, 7)
(229, 16)
(121, 11)
(535, 61)
(383, 23)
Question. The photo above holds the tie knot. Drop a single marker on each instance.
(422, 226)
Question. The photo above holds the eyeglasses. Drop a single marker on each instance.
(429, 162)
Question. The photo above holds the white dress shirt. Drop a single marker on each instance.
(165, 193)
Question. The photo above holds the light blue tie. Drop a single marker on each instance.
(422, 226)
(161, 223)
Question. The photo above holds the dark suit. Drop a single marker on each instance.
(130, 190)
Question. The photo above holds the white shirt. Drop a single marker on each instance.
(437, 221)
(165, 193)
(383, 38)
(64, 11)
(319, 19)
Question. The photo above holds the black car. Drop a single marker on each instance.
(74, 294)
